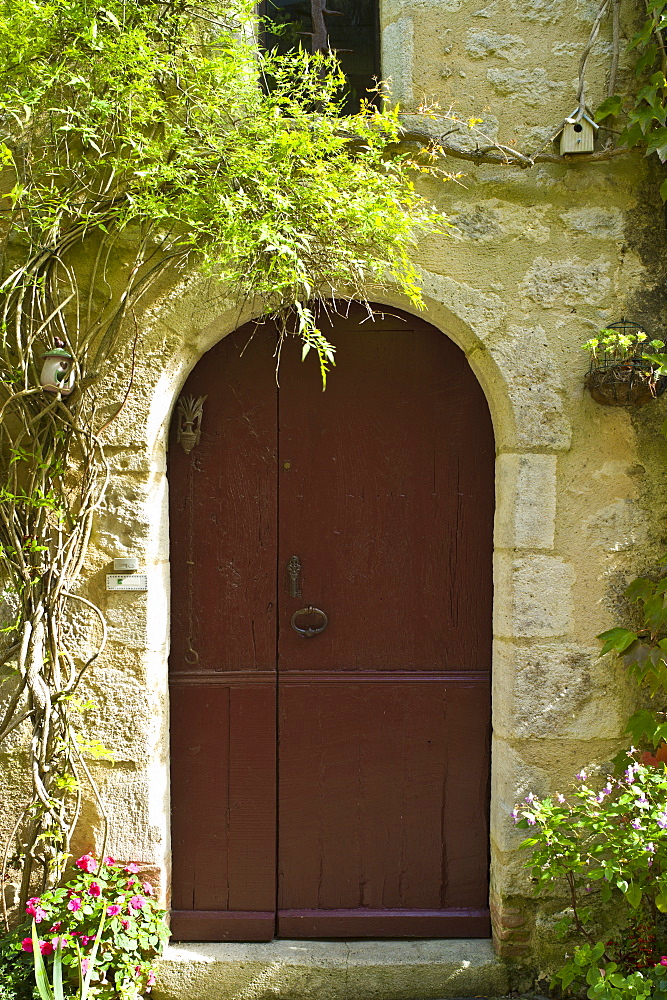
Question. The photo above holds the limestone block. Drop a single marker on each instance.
(124, 520)
(398, 57)
(126, 796)
(533, 596)
(131, 458)
(509, 875)
(528, 86)
(493, 220)
(127, 619)
(15, 787)
(19, 738)
(512, 779)
(551, 690)
(600, 223)
(489, 11)
(121, 716)
(482, 311)
(391, 9)
(534, 388)
(618, 526)
(566, 50)
(525, 501)
(541, 11)
(567, 282)
(482, 43)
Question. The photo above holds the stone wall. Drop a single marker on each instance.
(538, 260)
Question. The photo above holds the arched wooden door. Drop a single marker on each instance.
(333, 785)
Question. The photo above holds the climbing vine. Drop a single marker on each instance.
(645, 113)
(137, 142)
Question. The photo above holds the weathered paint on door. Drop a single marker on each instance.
(333, 786)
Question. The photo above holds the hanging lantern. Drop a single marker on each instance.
(57, 371)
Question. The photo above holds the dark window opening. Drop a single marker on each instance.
(353, 33)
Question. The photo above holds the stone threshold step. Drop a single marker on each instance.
(332, 970)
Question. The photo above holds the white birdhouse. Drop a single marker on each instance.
(57, 371)
(578, 135)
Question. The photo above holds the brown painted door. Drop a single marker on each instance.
(336, 785)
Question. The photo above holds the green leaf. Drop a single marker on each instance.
(610, 106)
(634, 894)
(592, 976)
(640, 589)
(617, 639)
(566, 976)
(41, 979)
(661, 901)
(642, 723)
(58, 971)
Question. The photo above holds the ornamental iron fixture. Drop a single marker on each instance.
(190, 412)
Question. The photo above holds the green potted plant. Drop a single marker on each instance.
(624, 368)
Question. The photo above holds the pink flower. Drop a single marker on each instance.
(26, 944)
(137, 969)
(74, 904)
(113, 910)
(86, 939)
(130, 882)
(109, 860)
(148, 888)
(56, 927)
(137, 902)
(85, 963)
(132, 868)
(34, 909)
(46, 947)
(56, 940)
(87, 863)
(663, 960)
(125, 923)
(94, 889)
(151, 979)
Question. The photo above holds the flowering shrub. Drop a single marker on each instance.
(608, 981)
(609, 846)
(134, 930)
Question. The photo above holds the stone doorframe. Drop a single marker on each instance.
(530, 428)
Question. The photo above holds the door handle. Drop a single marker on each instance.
(310, 630)
(293, 576)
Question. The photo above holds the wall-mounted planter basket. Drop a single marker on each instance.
(628, 380)
(630, 383)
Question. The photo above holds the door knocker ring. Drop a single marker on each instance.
(309, 631)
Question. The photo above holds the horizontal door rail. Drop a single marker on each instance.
(225, 678)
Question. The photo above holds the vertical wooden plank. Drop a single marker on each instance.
(466, 794)
(252, 798)
(223, 513)
(222, 663)
(199, 774)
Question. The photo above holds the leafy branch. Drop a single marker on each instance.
(136, 143)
